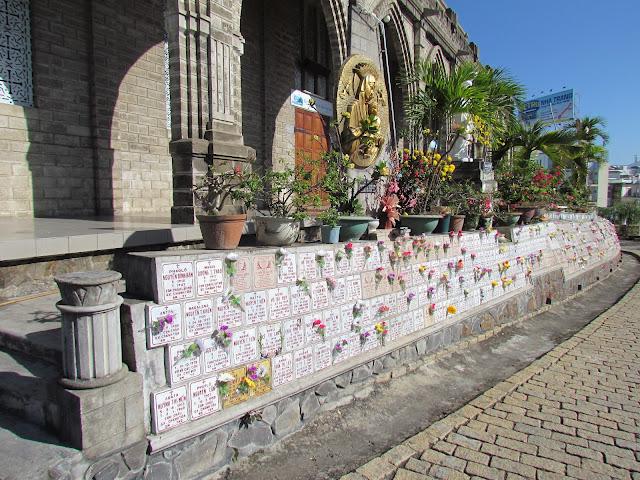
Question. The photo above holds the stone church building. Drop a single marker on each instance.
(111, 108)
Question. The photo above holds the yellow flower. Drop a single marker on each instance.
(448, 158)
(346, 114)
(385, 172)
(494, 283)
(351, 165)
(435, 162)
(250, 383)
(437, 156)
(451, 309)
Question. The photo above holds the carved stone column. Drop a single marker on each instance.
(91, 341)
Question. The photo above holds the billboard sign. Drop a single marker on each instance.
(552, 108)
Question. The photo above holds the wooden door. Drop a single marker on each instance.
(311, 143)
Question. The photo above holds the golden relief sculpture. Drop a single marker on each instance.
(361, 105)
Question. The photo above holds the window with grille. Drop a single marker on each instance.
(16, 86)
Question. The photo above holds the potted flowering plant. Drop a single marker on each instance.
(217, 192)
(330, 230)
(283, 198)
(343, 189)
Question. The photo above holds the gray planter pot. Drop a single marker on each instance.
(276, 231)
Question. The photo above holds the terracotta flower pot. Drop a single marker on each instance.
(221, 232)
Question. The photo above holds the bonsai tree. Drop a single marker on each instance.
(217, 188)
(287, 193)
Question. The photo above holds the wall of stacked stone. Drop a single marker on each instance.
(293, 353)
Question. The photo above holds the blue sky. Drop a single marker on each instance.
(590, 45)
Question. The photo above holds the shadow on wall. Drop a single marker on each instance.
(81, 55)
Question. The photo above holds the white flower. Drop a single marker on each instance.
(232, 257)
(202, 343)
(321, 253)
(282, 251)
(262, 371)
(226, 377)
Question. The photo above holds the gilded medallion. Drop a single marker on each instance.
(361, 106)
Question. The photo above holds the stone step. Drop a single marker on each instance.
(32, 327)
(28, 389)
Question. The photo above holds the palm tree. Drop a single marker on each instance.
(585, 148)
(525, 139)
(469, 90)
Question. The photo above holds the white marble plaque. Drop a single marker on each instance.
(332, 322)
(177, 281)
(346, 314)
(204, 397)
(215, 357)
(418, 320)
(374, 260)
(241, 281)
(319, 295)
(287, 271)
(244, 346)
(282, 369)
(227, 314)
(345, 348)
(312, 333)
(303, 362)
(395, 329)
(170, 409)
(339, 293)
(307, 267)
(370, 342)
(322, 355)
(198, 318)
(264, 272)
(255, 305)
(164, 324)
(293, 334)
(209, 277)
(329, 268)
(270, 339)
(279, 303)
(300, 300)
(357, 258)
(354, 288)
(183, 366)
(343, 266)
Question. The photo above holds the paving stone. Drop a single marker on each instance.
(403, 474)
(418, 466)
(377, 469)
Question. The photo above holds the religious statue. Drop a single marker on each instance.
(362, 105)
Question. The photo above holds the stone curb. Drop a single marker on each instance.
(385, 466)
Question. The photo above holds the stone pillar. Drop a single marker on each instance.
(603, 185)
(91, 341)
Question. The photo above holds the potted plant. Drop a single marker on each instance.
(472, 203)
(330, 230)
(343, 187)
(455, 195)
(218, 192)
(282, 198)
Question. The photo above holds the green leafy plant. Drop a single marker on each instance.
(286, 193)
(329, 217)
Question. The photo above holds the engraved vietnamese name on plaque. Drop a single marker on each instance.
(282, 366)
(322, 355)
(319, 295)
(303, 362)
(307, 265)
(177, 281)
(216, 357)
(329, 268)
(369, 284)
(270, 339)
(279, 303)
(204, 397)
(287, 270)
(339, 293)
(244, 346)
(374, 260)
(198, 318)
(227, 314)
(255, 305)
(164, 324)
(264, 272)
(358, 258)
(293, 334)
(241, 281)
(354, 288)
(346, 314)
(343, 266)
(312, 332)
(332, 322)
(343, 352)
(209, 277)
(300, 300)
(395, 329)
(170, 409)
(184, 363)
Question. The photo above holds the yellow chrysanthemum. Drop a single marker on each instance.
(451, 309)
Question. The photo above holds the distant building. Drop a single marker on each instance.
(623, 183)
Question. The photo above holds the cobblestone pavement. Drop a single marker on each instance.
(573, 413)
